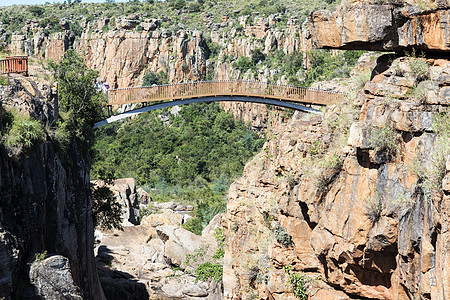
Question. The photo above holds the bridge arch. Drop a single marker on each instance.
(288, 96)
(138, 111)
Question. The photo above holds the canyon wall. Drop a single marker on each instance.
(329, 199)
(45, 206)
(392, 26)
(122, 54)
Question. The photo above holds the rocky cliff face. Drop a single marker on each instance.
(393, 26)
(45, 205)
(122, 54)
(361, 221)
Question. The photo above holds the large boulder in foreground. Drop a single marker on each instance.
(52, 279)
(393, 26)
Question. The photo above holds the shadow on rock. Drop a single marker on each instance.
(117, 285)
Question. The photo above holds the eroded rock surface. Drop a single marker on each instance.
(383, 26)
(45, 201)
(52, 278)
(156, 260)
(368, 227)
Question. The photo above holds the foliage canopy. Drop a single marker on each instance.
(79, 101)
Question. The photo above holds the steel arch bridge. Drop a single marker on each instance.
(288, 96)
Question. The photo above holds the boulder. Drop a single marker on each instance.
(52, 279)
(143, 196)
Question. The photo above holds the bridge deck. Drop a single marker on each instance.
(223, 88)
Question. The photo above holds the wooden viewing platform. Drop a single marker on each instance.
(14, 64)
(205, 89)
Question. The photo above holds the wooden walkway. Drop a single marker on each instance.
(14, 64)
(205, 89)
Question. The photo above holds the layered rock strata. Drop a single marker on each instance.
(369, 226)
(391, 26)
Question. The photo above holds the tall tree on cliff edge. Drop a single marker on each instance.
(80, 103)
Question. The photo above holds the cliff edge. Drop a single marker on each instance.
(45, 207)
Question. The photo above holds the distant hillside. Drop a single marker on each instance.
(175, 13)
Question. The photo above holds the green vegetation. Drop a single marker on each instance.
(185, 12)
(431, 167)
(298, 282)
(80, 103)
(419, 94)
(151, 78)
(209, 270)
(190, 157)
(419, 68)
(327, 167)
(213, 270)
(322, 65)
(245, 63)
(208, 204)
(20, 131)
(374, 208)
(384, 140)
(281, 235)
(3, 81)
(40, 256)
(196, 256)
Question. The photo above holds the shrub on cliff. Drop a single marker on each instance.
(150, 78)
(385, 141)
(21, 131)
(281, 235)
(79, 101)
(431, 167)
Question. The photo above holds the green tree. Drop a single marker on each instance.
(80, 103)
(257, 55)
(150, 78)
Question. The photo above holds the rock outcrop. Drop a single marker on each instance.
(391, 26)
(125, 193)
(156, 260)
(364, 220)
(52, 279)
(45, 203)
(122, 54)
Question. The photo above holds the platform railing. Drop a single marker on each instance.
(203, 89)
(14, 64)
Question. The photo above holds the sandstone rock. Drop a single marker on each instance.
(166, 205)
(143, 196)
(379, 27)
(57, 46)
(142, 257)
(375, 259)
(446, 183)
(215, 223)
(178, 242)
(52, 279)
(125, 193)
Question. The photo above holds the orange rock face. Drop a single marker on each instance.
(374, 231)
(390, 27)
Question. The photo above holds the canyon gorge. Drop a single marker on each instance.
(352, 203)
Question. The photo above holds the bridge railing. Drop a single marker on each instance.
(14, 64)
(202, 89)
